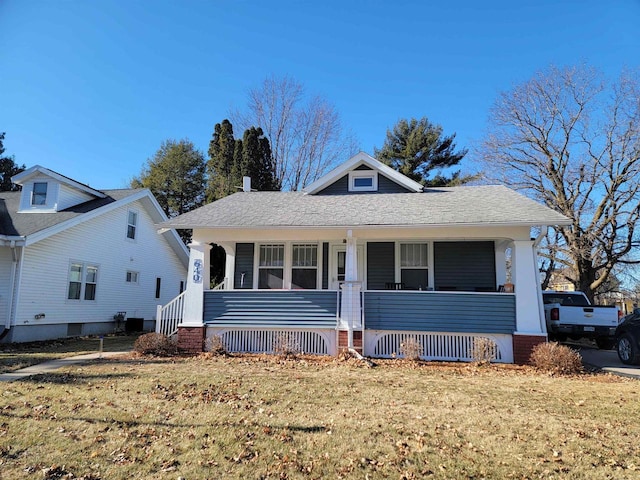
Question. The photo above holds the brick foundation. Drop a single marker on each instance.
(191, 339)
(343, 340)
(523, 345)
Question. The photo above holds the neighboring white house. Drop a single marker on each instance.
(366, 258)
(72, 258)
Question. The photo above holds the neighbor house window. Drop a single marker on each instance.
(304, 266)
(83, 280)
(132, 277)
(363, 181)
(132, 224)
(39, 196)
(271, 266)
(414, 273)
(158, 285)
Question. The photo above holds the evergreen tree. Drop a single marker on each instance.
(176, 177)
(8, 168)
(417, 149)
(257, 160)
(221, 159)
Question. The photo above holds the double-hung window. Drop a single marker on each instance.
(132, 224)
(304, 266)
(39, 196)
(271, 266)
(414, 272)
(83, 281)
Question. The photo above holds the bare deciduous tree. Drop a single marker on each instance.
(305, 133)
(570, 139)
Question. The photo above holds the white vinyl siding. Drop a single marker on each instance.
(45, 272)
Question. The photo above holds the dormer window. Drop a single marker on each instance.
(363, 181)
(39, 195)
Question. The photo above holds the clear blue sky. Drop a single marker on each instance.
(91, 88)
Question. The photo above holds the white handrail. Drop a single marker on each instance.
(170, 316)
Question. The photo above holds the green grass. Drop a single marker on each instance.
(20, 355)
(263, 417)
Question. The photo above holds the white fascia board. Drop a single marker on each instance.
(12, 241)
(21, 177)
(362, 158)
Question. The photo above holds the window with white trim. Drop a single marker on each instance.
(271, 266)
(83, 281)
(132, 224)
(363, 181)
(414, 263)
(39, 194)
(304, 266)
(132, 277)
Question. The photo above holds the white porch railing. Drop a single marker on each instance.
(222, 285)
(168, 317)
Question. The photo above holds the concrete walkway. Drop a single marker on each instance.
(50, 366)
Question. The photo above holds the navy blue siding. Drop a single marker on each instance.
(440, 312)
(381, 267)
(244, 264)
(325, 265)
(341, 187)
(263, 308)
(464, 266)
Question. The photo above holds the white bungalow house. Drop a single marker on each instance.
(365, 258)
(76, 261)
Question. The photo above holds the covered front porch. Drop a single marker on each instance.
(365, 291)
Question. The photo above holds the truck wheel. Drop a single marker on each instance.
(605, 343)
(628, 350)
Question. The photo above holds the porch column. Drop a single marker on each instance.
(530, 328)
(501, 262)
(197, 282)
(350, 308)
(230, 264)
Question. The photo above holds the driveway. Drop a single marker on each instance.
(606, 360)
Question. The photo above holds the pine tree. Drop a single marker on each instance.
(417, 149)
(8, 168)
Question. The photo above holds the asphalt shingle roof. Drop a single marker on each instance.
(13, 223)
(480, 205)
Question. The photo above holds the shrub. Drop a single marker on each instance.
(155, 344)
(484, 350)
(215, 345)
(556, 359)
(286, 344)
(411, 348)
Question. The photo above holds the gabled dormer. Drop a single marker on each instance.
(46, 191)
(362, 174)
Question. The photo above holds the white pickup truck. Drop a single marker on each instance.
(570, 314)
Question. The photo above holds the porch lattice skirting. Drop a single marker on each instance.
(435, 345)
(241, 340)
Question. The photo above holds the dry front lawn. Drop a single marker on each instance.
(256, 417)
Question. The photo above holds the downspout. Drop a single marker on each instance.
(543, 232)
(12, 284)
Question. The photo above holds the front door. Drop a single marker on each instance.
(337, 265)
